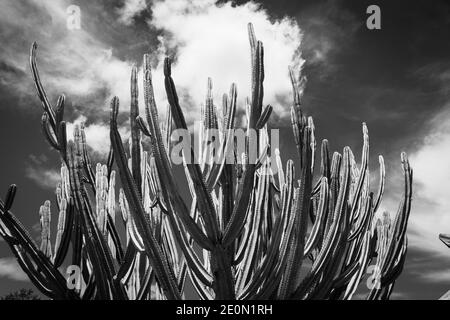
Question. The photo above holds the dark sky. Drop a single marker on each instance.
(394, 79)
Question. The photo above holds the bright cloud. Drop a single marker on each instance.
(213, 47)
(130, 9)
(72, 62)
(97, 134)
(431, 208)
(85, 68)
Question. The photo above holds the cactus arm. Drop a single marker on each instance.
(325, 159)
(40, 90)
(281, 234)
(100, 262)
(257, 77)
(338, 213)
(90, 290)
(292, 240)
(394, 272)
(143, 127)
(59, 111)
(135, 236)
(247, 248)
(146, 284)
(397, 236)
(34, 275)
(335, 261)
(77, 240)
(362, 172)
(249, 237)
(334, 189)
(127, 264)
(365, 219)
(86, 158)
(188, 221)
(173, 197)
(169, 238)
(201, 290)
(445, 238)
(182, 275)
(168, 128)
(310, 282)
(191, 257)
(296, 251)
(393, 259)
(62, 249)
(321, 215)
(215, 173)
(135, 132)
(236, 223)
(380, 183)
(238, 216)
(206, 205)
(264, 117)
(115, 237)
(226, 185)
(363, 259)
(110, 161)
(270, 285)
(62, 141)
(48, 133)
(9, 199)
(163, 270)
(18, 233)
(92, 231)
(346, 275)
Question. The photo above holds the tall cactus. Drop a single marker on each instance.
(247, 233)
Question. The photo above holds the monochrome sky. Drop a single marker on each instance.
(395, 79)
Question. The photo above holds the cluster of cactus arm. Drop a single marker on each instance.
(247, 233)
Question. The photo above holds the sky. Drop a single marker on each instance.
(395, 79)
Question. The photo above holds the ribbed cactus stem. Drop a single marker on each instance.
(45, 219)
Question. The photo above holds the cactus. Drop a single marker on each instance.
(445, 238)
(247, 232)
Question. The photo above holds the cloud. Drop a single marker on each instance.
(45, 178)
(213, 47)
(436, 276)
(130, 9)
(431, 206)
(328, 29)
(75, 62)
(86, 66)
(9, 268)
(97, 134)
(39, 171)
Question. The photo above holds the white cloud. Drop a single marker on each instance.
(211, 40)
(45, 178)
(9, 268)
(72, 62)
(97, 134)
(208, 39)
(130, 9)
(431, 204)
